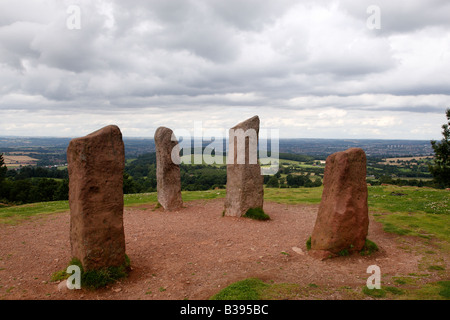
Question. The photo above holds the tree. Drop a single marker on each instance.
(441, 167)
(273, 182)
(3, 168)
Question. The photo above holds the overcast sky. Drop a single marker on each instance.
(312, 69)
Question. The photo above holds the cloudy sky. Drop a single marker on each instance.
(312, 69)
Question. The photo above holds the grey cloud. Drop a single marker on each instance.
(188, 55)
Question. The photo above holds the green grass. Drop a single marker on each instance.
(417, 200)
(369, 248)
(256, 214)
(293, 195)
(248, 289)
(394, 290)
(375, 293)
(256, 289)
(439, 290)
(422, 212)
(15, 214)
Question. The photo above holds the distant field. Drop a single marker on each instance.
(393, 161)
(12, 161)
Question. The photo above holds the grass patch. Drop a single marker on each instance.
(444, 289)
(417, 200)
(436, 268)
(248, 289)
(15, 214)
(308, 244)
(375, 293)
(369, 248)
(439, 290)
(256, 214)
(417, 224)
(394, 290)
(95, 279)
(256, 289)
(293, 195)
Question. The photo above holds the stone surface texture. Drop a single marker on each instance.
(167, 171)
(95, 164)
(342, 221)
(244, 179)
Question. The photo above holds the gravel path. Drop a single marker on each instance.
(193, 253)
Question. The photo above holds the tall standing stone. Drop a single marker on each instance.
(167, 171)
(244, 180)
(342, 221)
(96, 164)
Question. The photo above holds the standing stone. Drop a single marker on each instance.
(244, 179)
(342, 221)
(95, 164)
(167, 171)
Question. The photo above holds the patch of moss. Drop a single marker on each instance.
(256, 213)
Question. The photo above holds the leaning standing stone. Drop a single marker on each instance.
(95, 164)
(342, 221)
(167, 171)
(245, 188)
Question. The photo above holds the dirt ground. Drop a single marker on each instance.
(193, 253)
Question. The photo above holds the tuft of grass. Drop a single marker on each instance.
(256, 214)
(308, 244)
(95, 279)
(369, 248)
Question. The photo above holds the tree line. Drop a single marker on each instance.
(32, 184)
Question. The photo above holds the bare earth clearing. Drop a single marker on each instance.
(195, 252)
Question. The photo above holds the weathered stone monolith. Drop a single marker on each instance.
(167, 171)
(95, 164)
(244, 179)
(342, 221)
